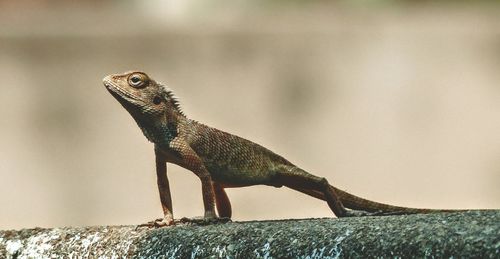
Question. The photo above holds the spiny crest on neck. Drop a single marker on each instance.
(172, 98)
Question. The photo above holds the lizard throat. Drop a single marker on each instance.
(159, 134)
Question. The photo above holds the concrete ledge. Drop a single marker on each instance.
(462, 234)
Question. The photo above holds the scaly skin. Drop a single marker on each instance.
(221, 160)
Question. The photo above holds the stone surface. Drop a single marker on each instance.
(462, 234)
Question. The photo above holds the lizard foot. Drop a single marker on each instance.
(357, 213)
(360, 213)
(203, 221)
(157, 223)
(388, 213)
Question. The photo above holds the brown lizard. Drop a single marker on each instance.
(221, 160)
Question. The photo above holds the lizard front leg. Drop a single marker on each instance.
(165, 197)
(192, 162)
(164, 189)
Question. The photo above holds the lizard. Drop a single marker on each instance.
(220, 159)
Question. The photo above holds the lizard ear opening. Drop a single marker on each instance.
(157, 100)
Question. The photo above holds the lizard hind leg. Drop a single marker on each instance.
(318, 187)
(222, 201)
(312, 193)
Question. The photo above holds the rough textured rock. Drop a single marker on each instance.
(464, 234)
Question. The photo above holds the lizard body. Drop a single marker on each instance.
(220, 159)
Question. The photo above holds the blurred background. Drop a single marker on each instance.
(396, 101)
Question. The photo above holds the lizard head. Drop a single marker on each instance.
(152, 105)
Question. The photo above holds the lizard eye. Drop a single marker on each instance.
(137, 80)
(157, 100)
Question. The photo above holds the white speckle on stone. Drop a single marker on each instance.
(13, 246)
(173, 253)
(195, 251)
(39, 245)
(71, 242)
(221, 251)
(91, 239)
(125, 245)
(336, 251)
(266, 251)
(88, 242)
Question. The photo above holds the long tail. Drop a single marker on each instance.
(357, 203)
(349, 201)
